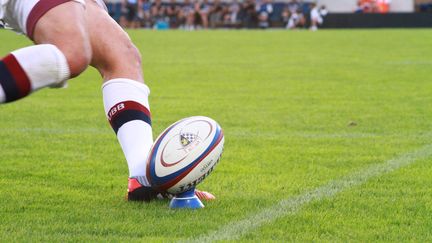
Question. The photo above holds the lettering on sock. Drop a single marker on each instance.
(126, 111)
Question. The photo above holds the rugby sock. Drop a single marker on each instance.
(127, 108)
(29, 69)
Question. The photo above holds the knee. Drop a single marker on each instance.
(121, 60)
(78, 56)
(132, 55)
(79, 63)
(125, 59)
(79, 60)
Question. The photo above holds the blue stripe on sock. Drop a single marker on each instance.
(8, 84)
(127, 116)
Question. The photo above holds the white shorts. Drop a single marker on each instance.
(22, 15)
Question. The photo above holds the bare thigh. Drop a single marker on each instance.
(65, 27)
(88, 35)
(114, 54)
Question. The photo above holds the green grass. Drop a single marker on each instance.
(285, 101)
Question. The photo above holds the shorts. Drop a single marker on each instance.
(22, 15)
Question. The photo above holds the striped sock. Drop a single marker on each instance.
(14, 82)
(127, 109)
(29, 69)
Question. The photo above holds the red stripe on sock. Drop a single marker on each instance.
(21, 78)
(126, 105)
(39, 10)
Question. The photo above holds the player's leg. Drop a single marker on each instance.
(65, 27)
(64, 49)
(125, 98)
(125, 95)
(21, 73)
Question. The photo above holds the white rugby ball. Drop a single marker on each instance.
(185, 154)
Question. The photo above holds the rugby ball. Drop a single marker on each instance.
(185, 154)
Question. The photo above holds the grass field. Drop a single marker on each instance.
(300, 111)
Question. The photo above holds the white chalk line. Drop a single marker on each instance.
(292, 205)
(237, 134)
(57, 130)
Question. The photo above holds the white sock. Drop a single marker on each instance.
(127, 108)
(31, 68)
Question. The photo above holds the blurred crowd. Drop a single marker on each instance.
(193, 14)
(373, 6)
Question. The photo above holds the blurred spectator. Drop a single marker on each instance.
(285, 15)
(202, 10)
(233, 12)
(294, 6)
(424, 6)
(296, 20)
(114, 9)
(187, 15)
(216, 14)
(190, 14)
(373, 6)
(247, 13)
(359, 8)
(264, 11)
(368, 6)
(159, 18)
(317, 15)
(383, 6)
(129, 18)
(292, 15)
(173, 11)
(144, 13)
(323, 11)
(157, 10)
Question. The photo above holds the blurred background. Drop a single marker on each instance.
(289, 14)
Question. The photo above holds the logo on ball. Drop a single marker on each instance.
(187, 138)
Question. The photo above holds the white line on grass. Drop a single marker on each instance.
(292, 205)
(238, 133)
(58, 130)
(319, 135)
